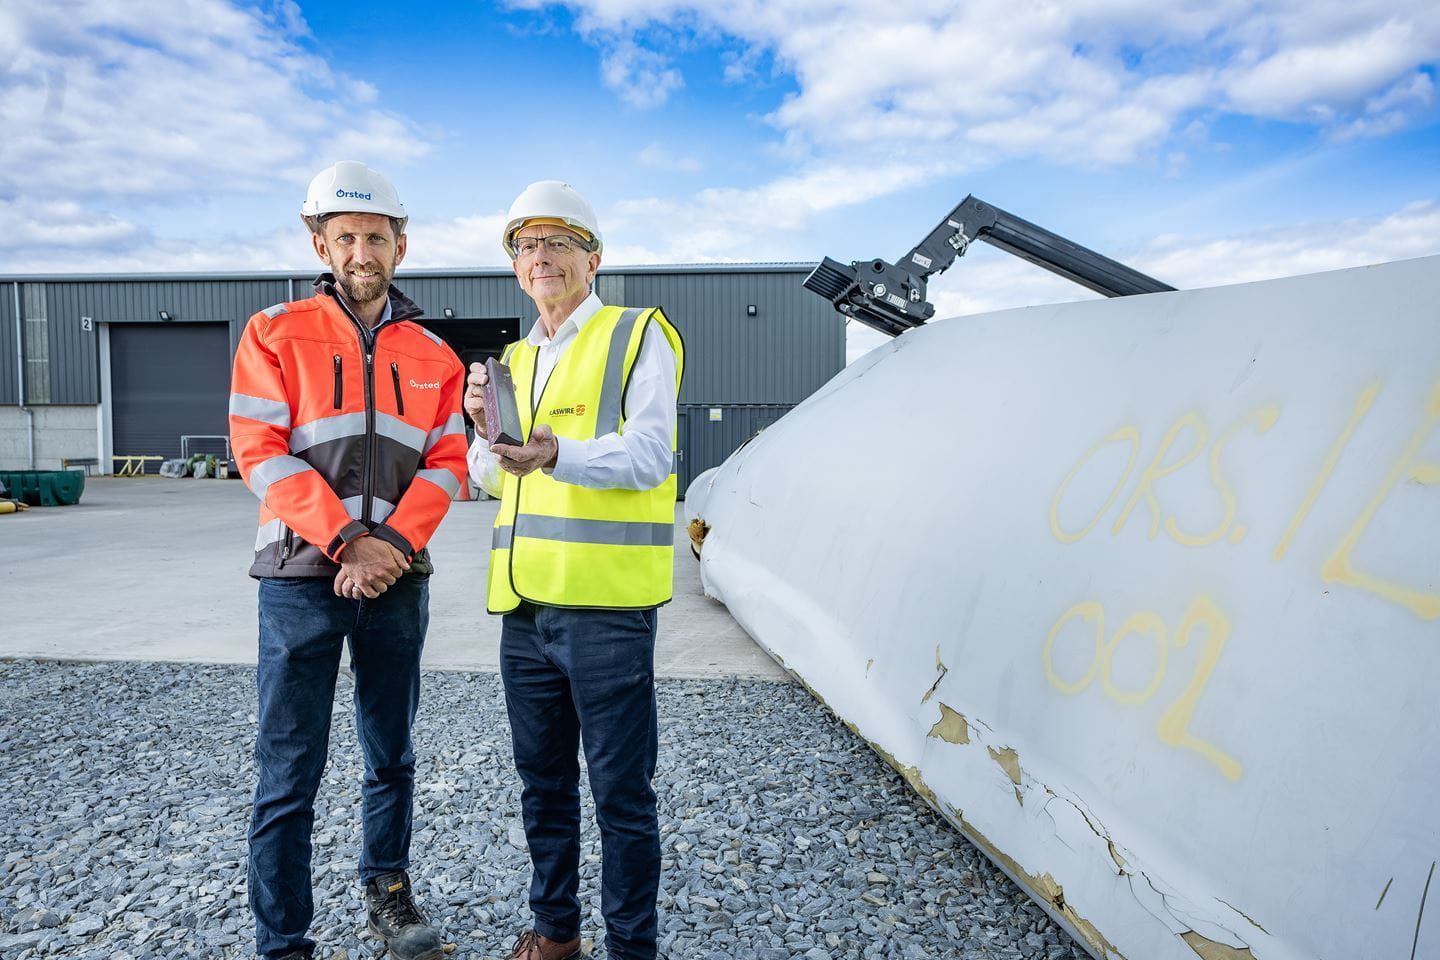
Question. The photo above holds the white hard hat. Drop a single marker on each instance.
(351, 187)
(551, 200)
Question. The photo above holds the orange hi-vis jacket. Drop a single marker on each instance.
(343, 431)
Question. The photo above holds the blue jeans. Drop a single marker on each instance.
(303, 626)
(573, 675)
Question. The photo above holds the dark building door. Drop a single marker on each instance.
(474, 339)
(166, 380)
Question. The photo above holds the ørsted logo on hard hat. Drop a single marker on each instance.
(577, 411)
(352, 195)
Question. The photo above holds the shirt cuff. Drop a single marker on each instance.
(569, 461)
(484, 468)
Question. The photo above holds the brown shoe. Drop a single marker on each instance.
(531, 945)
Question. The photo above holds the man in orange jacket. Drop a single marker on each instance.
(345, 421)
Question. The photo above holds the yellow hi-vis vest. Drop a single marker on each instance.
(563, 545)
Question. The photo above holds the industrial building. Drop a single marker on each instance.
(118, 367)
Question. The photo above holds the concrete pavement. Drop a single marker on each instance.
(154, 569)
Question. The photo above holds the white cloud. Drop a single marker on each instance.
(1412, 231)
(59, 225)
(116, 112)
(987, 280)
(466, 241)
(757, 222)
(1086, 82)
(880, 103)
(1392, 109)
(643, 78)
(668, 158)
(1328, 77)
(63, 238)
(119, 101)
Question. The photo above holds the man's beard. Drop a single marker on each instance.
(364, 290)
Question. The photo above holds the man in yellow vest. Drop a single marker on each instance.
(580, 558)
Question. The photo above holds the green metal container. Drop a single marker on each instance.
(44, 488)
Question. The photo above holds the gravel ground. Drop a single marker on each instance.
(125, 789)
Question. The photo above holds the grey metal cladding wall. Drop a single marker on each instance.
(707, 442)
(610, 288)
(469, 297)
(74, 352)
(74, 367)
(794, 344)
(140, 301)
(9, 378)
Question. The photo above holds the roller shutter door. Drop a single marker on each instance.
(168, 379)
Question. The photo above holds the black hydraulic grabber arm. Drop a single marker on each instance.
(891, 296)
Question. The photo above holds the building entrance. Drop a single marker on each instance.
(474, 339)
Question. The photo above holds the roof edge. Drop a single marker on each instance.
(400, 275)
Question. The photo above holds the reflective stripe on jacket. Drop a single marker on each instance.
(563, 545)
(341, 431)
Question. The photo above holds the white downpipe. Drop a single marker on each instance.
(20, 368)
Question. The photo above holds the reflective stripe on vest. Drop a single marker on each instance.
(617, 532)
(559, 544)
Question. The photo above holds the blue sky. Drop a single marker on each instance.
(1204, 143)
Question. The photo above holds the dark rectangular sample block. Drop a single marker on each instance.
(502, 414)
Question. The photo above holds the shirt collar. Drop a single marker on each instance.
(587, 309)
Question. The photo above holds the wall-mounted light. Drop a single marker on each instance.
(750, 310)
(449, 314)
(165, 316)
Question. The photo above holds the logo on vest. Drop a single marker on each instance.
(576, 411)
(425, 386)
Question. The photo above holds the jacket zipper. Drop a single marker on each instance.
(367, 467)
(339, 383)
(367, 488)
(399, 400)
(288, 548)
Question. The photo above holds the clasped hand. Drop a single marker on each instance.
(368, 567)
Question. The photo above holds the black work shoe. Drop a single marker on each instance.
(392, 916)
(298, 954)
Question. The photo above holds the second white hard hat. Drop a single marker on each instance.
(351, 187)
(551, 200)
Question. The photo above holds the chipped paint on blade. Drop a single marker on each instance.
(1152, 533)
(1210, 950)
(1009, 761)
(951, 727)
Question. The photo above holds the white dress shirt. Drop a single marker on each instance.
(637, 458)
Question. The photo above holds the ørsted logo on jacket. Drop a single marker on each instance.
(425, 386)
(576, 411)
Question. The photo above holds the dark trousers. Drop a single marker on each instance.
(303, 626)
(574, 676)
